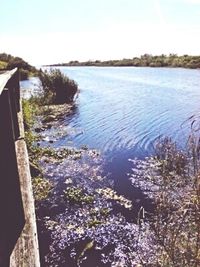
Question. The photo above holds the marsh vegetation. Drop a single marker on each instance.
(82, 217)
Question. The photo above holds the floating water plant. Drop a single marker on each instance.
(41, 188)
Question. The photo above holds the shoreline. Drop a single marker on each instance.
(146, 60)
(118, 66)
(80, 198)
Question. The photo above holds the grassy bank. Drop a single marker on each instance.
(10, 62)
(39, 114)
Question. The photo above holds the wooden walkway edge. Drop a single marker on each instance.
(26, 252)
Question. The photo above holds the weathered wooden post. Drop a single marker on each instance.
(11, 206)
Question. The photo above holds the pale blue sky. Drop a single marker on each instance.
(52, 31)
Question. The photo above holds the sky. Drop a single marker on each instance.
(57, 31)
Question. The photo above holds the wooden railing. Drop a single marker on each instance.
(11, 207)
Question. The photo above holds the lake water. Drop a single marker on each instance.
(124, 111)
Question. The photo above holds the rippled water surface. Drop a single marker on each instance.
(125, 110)
(122, 112)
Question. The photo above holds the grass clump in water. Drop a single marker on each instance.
(77, 195)
(41, 188)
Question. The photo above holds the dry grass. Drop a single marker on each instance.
(172, 180)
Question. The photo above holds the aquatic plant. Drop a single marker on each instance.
(77, 195)
(109, 193)
(88, 216)
(80, 207)
(41, 188)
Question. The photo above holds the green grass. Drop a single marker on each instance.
(3, 65)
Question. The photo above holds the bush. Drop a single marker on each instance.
(60, 87)
(25, 69)
(24, 74)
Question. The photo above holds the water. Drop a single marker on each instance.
(30, 87)
(123, 111)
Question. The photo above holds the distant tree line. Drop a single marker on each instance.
(146, 60)
(10, 62)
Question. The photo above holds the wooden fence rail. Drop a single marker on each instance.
(12, 213)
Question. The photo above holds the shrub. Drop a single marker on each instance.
(17, 62)
(60, 87)
(25, 69)
(24, 74)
